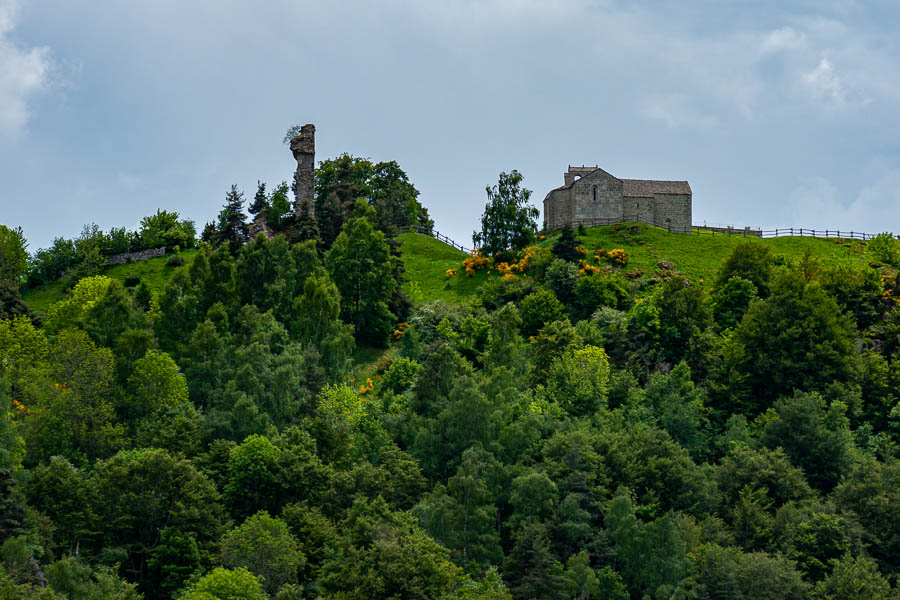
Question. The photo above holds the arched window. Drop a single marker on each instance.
(595, 193)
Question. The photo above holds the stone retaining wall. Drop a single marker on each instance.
(130, 257)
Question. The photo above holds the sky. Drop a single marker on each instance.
(779, 113)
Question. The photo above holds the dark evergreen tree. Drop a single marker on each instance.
(12, 509)
(530, 569)
(565, 246)
(232, 227)
(260, 200)
(306, 227)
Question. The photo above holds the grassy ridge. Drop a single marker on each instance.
(701, 256)
(153, 271)
(427, 260)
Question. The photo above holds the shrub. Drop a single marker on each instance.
(885, 248)
(132, 281)
(538, 309)
(176, 260)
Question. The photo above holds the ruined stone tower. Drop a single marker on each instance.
(303, 146)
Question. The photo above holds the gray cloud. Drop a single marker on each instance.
(23, 73)
(173, 102)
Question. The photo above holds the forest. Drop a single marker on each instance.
(286, 417)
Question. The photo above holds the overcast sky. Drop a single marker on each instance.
(778, 113)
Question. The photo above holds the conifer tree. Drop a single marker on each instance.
(307, 227)
(260, 200)
(12, 512)
(232, 227)
(565, 246)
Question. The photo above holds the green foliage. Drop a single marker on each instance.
(578, 380)
(751, 261)
(884, 248)
(731, 301)
(384, 554)
(565, 246)
(360, 265)
(538, 309)
(165, 228)
(231, 226)
(266, 548)
(509, 222)
(596, 291)
(796, 339)
(816, 438)
(13, 257)
(226, 584)
(854, 578)
(530, 569)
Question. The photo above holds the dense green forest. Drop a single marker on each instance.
(303, 416)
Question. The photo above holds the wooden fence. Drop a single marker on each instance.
(440, 237)
(695, 230)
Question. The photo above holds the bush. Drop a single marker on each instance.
(176, 260)
(538, 309)
(132, 281)
(885, 249)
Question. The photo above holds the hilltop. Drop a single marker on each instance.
(427, 260)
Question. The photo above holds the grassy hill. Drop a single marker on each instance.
(701, 256)
(153, 271)
(427, 260)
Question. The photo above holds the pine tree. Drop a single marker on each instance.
(307, 227)
(565, 246)
(12, 511)
(260, 200)
(232, 228)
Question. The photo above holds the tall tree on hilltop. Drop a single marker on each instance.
(260, 200)
(306, 225)
(565, 246)
(361, 266)
(509, 222)
(232, 226)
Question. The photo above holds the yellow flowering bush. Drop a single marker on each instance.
(619, 256)
(476, 262)
(400, 330)
(450, 273)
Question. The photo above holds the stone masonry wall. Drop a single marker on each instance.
(130, 257)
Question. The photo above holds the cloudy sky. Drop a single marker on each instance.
(779, 113)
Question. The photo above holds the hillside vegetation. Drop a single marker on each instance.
(427, 260)
(339, 411)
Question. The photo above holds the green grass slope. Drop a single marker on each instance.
(427, 260)
(153, 271)
(701, 256)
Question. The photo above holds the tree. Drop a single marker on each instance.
(731, 301)
(871, 492)
(565, 247)
(817, 440)
(155, 383)
(383, 554)
(509, 222)
(231, 227)
(796, 339)
(260, 200)
(854, 578)
(530, 570)
(264, 546)
(165, 228)
(538, 309)
(140, 493)
(13, 257)
(361, 266)
(226, 584)
(748, 260)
